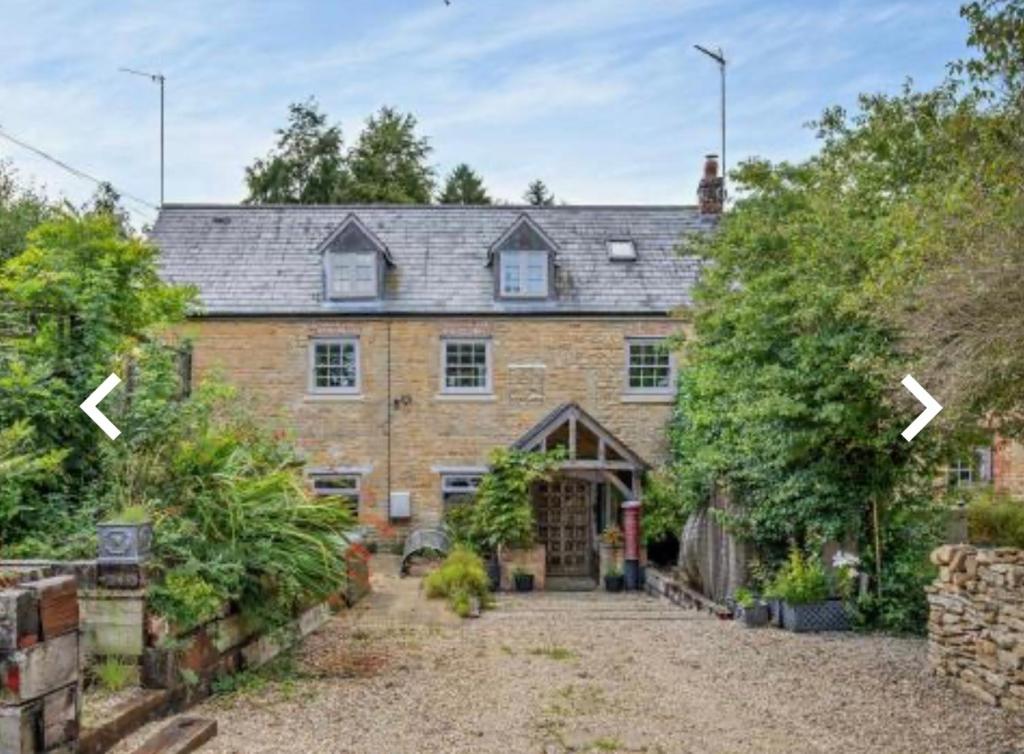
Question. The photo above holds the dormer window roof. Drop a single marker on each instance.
(354, 260)
(523, 259)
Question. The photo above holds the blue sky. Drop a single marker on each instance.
(606, 100)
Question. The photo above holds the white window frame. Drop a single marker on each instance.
(447, 477)
(335, 260)
(488, 387)
(354, 498)
(670, 389)
(311, 368)
(521, 258)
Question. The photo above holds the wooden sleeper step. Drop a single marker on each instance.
(180, 736)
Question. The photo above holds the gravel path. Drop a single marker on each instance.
(552, 673)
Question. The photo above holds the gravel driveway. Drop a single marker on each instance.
(594, 672)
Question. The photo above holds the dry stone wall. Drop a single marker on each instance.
(976, 622)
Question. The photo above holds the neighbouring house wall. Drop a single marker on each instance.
(1008, 467)
(538, 364)
(976, 622)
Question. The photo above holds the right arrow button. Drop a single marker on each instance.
(931, 408)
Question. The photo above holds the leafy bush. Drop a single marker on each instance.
(801, 580)
(995, 519)
(909, 530)
(460, 577)
(744, 597)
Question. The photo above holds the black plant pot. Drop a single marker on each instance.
(523, 582)
(755, 616)
(614, 583)
(494, 573)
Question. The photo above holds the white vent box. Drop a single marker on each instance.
(400, 505)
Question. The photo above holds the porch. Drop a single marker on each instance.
(585, 496)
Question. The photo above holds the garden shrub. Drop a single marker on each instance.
(801, 580)
(995, 519)
(460, 577)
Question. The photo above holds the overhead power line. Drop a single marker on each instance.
(75, 171)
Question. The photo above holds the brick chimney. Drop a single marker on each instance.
(711, 190)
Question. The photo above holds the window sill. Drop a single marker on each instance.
(332, 397)
(649, 398)
(466, 397)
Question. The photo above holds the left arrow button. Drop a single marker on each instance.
(89, 406)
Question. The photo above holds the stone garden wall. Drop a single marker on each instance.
(976, 622)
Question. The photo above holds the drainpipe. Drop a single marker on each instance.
(388, 427)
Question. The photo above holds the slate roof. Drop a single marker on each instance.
(264, 259)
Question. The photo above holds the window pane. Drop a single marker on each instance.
(334, 365)
(354, 274)
(524, 273)
(466, 365)
(650, 366)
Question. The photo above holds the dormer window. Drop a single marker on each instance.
(524, 274)
(354, 261)
(353, 274)
(524, 261)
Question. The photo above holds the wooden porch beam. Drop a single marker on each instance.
(616, 482)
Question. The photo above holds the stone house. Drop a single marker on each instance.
(401, 344)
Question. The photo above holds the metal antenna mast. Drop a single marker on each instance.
(157, 78)
(719, 57)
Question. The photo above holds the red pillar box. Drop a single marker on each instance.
(631, 531)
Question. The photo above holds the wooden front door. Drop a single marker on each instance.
(563, 508)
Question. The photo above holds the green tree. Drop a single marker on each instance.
(464, 186)
(21, 210)
(897, 246)
(82, 296)
(307, 166)
(389, 162)
(538, 195)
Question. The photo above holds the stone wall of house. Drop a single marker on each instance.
(400, 427)
(976, 622)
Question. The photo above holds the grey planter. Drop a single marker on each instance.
(754, 616)
(815, 616)
(775, 608)
(124, 543)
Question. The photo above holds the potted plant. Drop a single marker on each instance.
(610, 549)
(523, 580)
(751, 611)
(614, 579)
(126, 537)
(803, 586)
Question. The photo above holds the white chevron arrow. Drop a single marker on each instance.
(931, 408)
(89, 406)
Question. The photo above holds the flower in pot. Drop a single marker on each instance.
(803, 586)
(751, 610)
(523, 580)
(612, 536)
(126, 537)
(614, 579)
